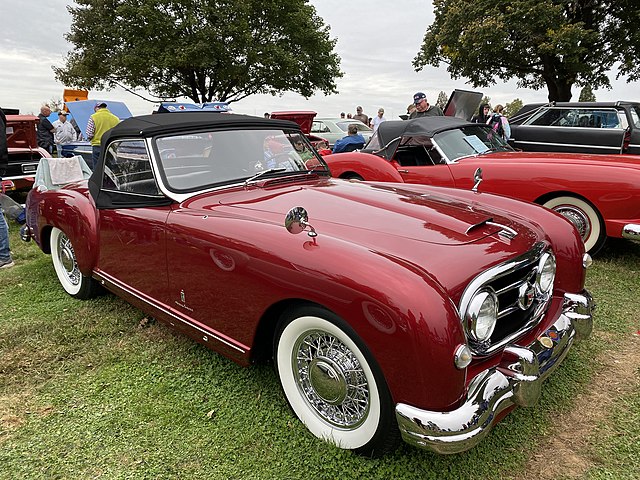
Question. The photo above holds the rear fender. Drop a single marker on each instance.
(369, 167)
(74, 213)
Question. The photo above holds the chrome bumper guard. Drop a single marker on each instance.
(631, 231)
(516, 380)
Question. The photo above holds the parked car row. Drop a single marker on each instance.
(390, 310)
(581, 127)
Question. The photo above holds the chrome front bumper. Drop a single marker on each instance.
(631, 231)
(516, 380)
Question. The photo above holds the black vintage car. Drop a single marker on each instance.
(582, 127)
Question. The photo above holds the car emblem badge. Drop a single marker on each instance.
(182, 298)
(526, 294)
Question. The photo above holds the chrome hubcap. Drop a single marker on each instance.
(331, 379)
(328, 380)
(578, 218)
(68, 259)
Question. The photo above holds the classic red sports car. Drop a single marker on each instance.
(389, 310)
(599, 194)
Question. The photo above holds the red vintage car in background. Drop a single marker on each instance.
(389, 310)
(599, 194)
(24, 153)
(304, 119)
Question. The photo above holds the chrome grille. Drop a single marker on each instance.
(517, 313)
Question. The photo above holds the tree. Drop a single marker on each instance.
(586, 94)
(512, 107)
(552, 43)
(56, 104)
(205, 50)
(442, 100)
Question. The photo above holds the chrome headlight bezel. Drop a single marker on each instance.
(546, 273)
(481, 315)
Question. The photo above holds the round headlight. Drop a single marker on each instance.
(482, 315)
(546, 273)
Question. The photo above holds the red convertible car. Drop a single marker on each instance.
(599, 194)
(389, 310)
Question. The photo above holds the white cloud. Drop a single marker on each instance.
(377, 40)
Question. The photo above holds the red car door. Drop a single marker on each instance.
(438, 175)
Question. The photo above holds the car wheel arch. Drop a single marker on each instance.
(351, 176)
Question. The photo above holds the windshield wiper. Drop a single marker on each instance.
(264, 172)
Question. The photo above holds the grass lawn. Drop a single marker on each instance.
(90, 389)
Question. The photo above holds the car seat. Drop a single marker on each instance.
(353, 146)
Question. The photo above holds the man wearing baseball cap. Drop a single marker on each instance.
(101, 121)
(65, 133)
(423, 109)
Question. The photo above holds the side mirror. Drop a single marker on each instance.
(297, 221)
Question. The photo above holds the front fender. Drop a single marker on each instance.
(398, 309)
(369, 167)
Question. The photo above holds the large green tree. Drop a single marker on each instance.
(205, 50)
(541, 43)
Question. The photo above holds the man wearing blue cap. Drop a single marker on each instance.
(423, 109)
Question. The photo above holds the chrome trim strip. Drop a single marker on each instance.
(578, 128)
(515, 380)
(631, 231)
(20, 177)
(617, 149)
(106, 277)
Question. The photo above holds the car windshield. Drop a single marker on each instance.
(194, 161)
(469, 140)
(359, 125)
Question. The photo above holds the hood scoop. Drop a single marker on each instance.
(505, 231)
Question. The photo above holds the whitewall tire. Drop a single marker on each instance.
(332, 384)
(66, 266)
(584, 217)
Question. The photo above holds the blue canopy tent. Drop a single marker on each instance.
(81, 111)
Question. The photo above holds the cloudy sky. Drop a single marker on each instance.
(377, 40)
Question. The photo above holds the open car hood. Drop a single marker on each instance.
(83, 109)
(463, 104)
(303, 118)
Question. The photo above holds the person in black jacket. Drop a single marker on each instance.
(45, 129)
(4, 151)
(5, 253)
(483, 114)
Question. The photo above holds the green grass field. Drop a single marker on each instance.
(90, 389)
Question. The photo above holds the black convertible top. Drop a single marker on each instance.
(150, 125)
(146, 126)
(423, 126)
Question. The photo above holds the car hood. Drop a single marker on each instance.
(583, 159)
(362, 211)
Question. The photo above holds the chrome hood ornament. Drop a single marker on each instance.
(477, 178)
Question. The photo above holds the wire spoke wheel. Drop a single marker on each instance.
(584, 217)
(332, 382)
(66, 266)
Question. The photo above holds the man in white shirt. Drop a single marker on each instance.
(375, 123)
(65, 132)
